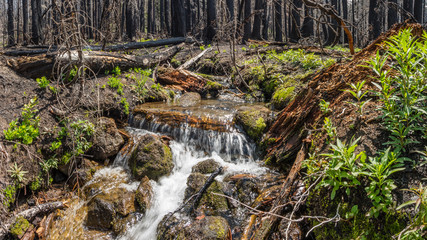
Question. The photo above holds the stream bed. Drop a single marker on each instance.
(208, 133)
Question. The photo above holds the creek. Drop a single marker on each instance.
(190, 144)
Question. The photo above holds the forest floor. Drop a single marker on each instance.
(291, 80)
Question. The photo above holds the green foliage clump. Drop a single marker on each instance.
(19, 227)
(403, 94)
(9, 195)
(125, 105)
(26, 130)
(43, 82)
(301, 58)
(115, 82)
(80, 132)
(418, 228)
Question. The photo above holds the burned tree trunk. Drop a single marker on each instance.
(256, 31)
(25, 21)
(211, 18)
(247, 20)
(10, 28)
(178, 18)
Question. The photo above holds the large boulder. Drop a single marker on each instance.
(105, 208)
(254, 120)
(189, 99)
(210, 204)
(206, 166)
(107, 140)
(151, 158)
(144, 194)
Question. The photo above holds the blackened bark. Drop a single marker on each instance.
(256, 31)
(130, 28)
(10, 28)
(278, 20)
(392, 12)
(265, 20)
(25, 20)
(307, 24)
(294, 21)
(178, 18)
(35, 24)
(150, 27)
(418, 10)
(374, 19)
(333, 25)
(167, 16)
(247, 20)
(230, 8)
(142, 16)
(211, 18)
(408, 6)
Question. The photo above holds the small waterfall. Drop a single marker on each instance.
(233, 145)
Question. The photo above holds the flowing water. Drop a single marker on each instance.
(190, 145)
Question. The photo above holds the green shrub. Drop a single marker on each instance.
(43, 82)
(26, 130)
(115, 82)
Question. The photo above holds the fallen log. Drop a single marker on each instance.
(194, 59)
(182, 80)
(98, 62)
(269, 223)
(113, 48)
(30, 214)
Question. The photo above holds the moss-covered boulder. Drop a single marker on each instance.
(144, 194)
(20, 227)
(208, 227)
(107, 140)
(189, 99)
(105, 208)
(151, 158)
(243, 187)
(210, 204)
(254, 120)
(206, 166)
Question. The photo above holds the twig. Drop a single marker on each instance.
(336, 218)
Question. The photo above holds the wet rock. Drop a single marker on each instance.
(144, 194)
(209, 227)
(151, 158)
(107, 140)
(210, 204)
(226, 96)
(121, 225)
(243, 187)
(106, 207)
(254, 120)
(189, 99)
(206, 166)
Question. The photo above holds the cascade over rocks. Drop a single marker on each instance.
(151, 158)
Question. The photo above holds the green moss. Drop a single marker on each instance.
(283, 96)
(212, 85)
(20, 226)
(218, 227)
(168, 153)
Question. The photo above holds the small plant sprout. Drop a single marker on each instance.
(330, 130)
(359, 94)
(17, 174)
(324, 107)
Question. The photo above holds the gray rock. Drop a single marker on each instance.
(206, 166)
(107, 140)
(189, 99)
